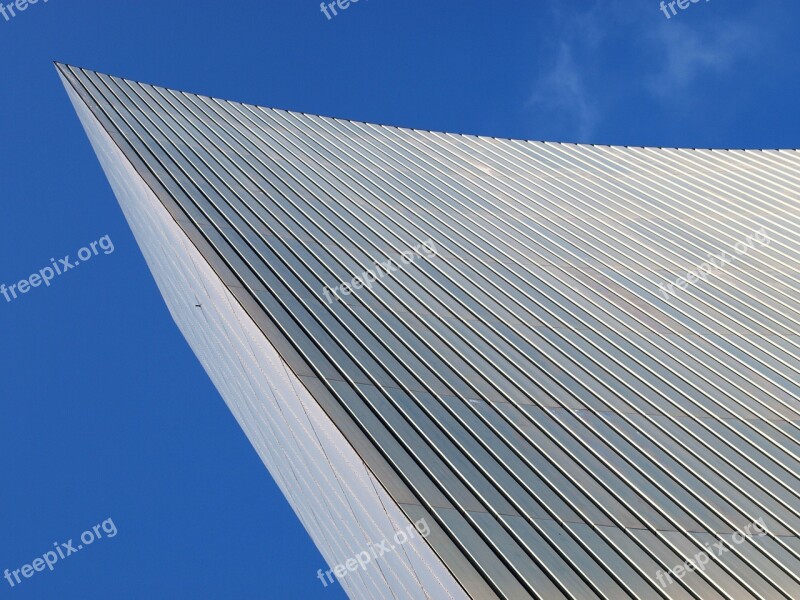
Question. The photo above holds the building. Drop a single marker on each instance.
(575, 367)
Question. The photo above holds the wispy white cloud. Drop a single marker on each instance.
(562, 92)
(689, 55)
(601, 55)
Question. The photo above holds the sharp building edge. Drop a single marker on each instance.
(576, 365)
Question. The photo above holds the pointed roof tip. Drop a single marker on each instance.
(62, 70)
(60, 67)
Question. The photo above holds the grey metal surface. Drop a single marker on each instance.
(573, 431)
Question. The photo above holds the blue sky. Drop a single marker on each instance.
(104, 410)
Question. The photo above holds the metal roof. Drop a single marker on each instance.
(588, 376)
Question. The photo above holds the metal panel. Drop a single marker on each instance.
(572, 428)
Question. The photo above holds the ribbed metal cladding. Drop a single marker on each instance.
(575, 429)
